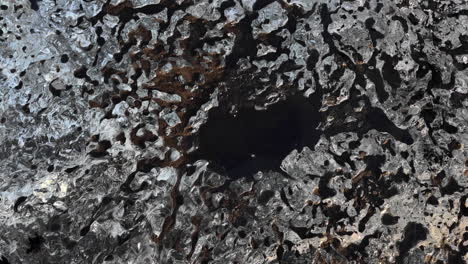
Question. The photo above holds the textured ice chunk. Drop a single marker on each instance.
(270, 18)
(171, 117)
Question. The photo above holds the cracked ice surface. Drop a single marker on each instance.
(233, 131)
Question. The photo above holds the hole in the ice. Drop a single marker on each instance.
(35, 243)
(34, 4)
(254, 140)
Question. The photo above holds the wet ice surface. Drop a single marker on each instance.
(253, 131)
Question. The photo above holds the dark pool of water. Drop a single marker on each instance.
(254, 140)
